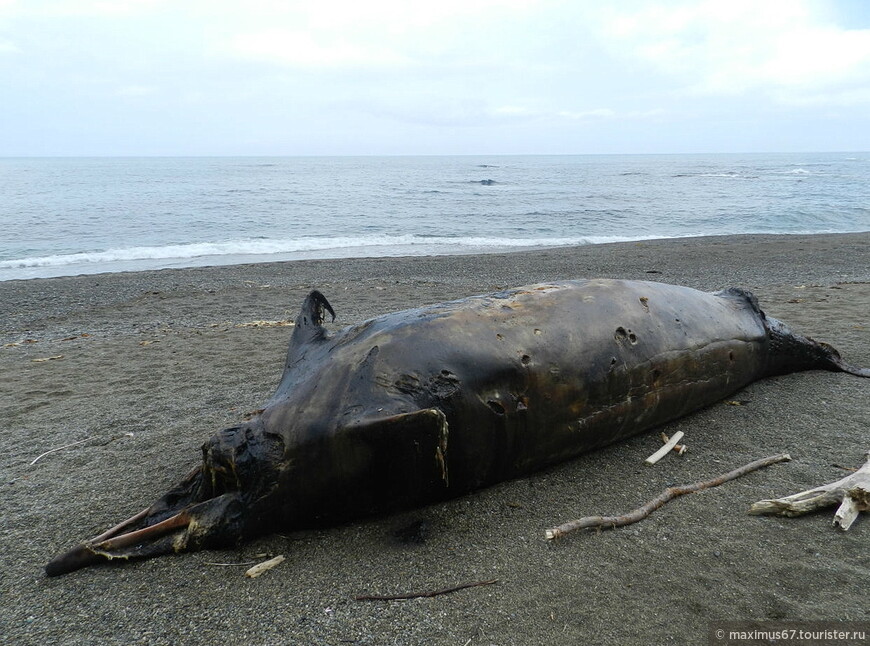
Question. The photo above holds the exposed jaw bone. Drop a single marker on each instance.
(104, 546)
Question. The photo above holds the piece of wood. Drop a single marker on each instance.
(679, 449)
(419, 595)
(265, 566)
(66, 446)
(60, 448)
(852, 493)
(243, 563)
(846, 513)
(266, 324)
(662, 452)
(610, 522)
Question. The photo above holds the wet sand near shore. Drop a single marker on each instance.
(132, 372)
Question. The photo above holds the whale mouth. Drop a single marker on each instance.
(218, 503)
(163, 528)
(112, 544)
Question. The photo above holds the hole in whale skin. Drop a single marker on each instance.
(622, 335)
(526, 359)
(443, 385)
(496, 407)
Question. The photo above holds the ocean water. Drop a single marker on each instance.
(66, 216)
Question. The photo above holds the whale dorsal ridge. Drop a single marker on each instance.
(308, 327)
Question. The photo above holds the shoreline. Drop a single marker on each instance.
(421, 249)
(152, 363)
(703, 262)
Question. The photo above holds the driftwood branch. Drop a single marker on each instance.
(608, 522)
(852, 493)
(418, 595)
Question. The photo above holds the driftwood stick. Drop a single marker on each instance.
(662, 452)
(608, 522)
(265, 566)
(60, 448)
(71, 444)
(852, 493)
(679, 449)
(418, 595)
(242, 563)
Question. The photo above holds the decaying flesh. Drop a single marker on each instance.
(429, 403)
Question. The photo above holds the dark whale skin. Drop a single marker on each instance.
(505, 384)
(430, 403)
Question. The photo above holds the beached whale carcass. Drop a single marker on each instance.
(429, 403)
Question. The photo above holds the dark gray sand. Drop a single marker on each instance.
(148, 365)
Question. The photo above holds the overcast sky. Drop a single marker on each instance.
(325, 77)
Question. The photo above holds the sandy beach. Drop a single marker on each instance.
(138, 369)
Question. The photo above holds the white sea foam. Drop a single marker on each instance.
(260, 250)
(269, 247)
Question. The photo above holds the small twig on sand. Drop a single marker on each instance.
(66, 446)
(608, 522)
(230, 564)
(285, 323)
(418, 595)
(679, 449)
(60, 448)
(115, 437)
(662, 452)
(264, 567)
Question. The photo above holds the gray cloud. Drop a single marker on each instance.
(279, 77)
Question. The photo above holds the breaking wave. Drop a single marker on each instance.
(202, 253)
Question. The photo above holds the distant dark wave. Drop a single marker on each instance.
(69, 216)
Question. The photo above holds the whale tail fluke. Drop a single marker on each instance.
(788, 351)
(842, 366)
(791, 352)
